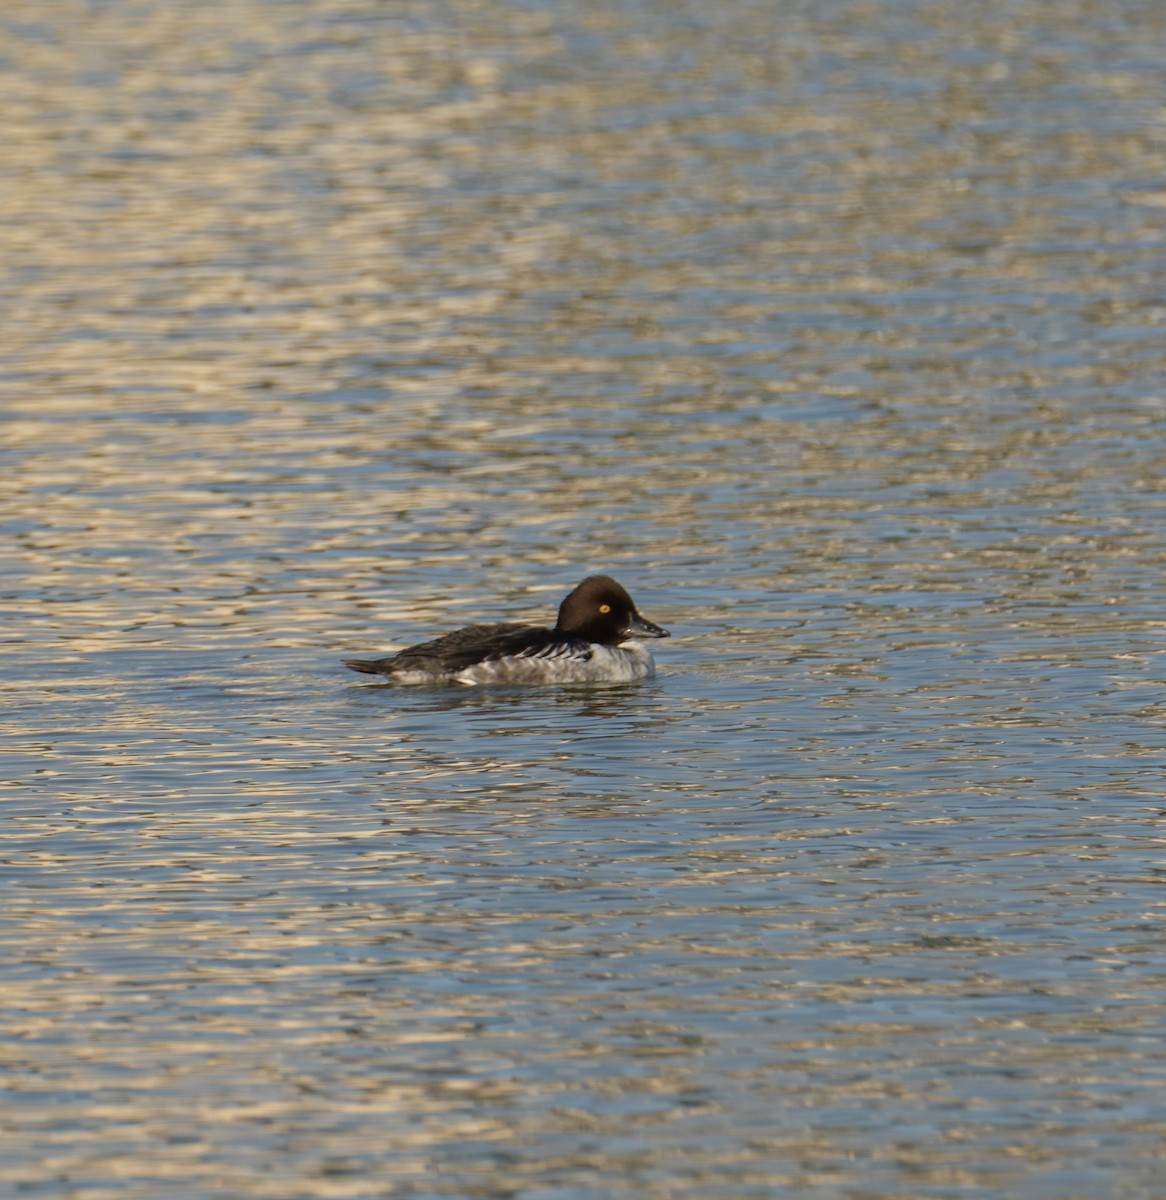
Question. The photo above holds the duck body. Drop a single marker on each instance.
(595, 640)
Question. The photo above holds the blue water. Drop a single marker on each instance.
(834, 333)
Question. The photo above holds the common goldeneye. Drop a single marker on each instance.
(593, 642)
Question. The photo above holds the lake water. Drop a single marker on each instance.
(834, 329)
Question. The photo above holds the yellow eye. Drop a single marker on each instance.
(605, 608)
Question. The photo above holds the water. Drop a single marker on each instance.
(834, 331)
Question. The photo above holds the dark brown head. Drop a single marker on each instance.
(600, 610)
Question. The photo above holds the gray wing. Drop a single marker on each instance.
(474, 644)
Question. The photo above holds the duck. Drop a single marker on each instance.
(596, 639)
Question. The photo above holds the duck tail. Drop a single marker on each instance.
(369, 666)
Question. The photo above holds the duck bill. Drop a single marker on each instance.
(639, 627)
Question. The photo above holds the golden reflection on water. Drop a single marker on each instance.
(835, 331)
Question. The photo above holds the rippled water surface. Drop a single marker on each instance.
(834, 330)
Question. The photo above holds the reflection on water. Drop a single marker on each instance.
(833, 331)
